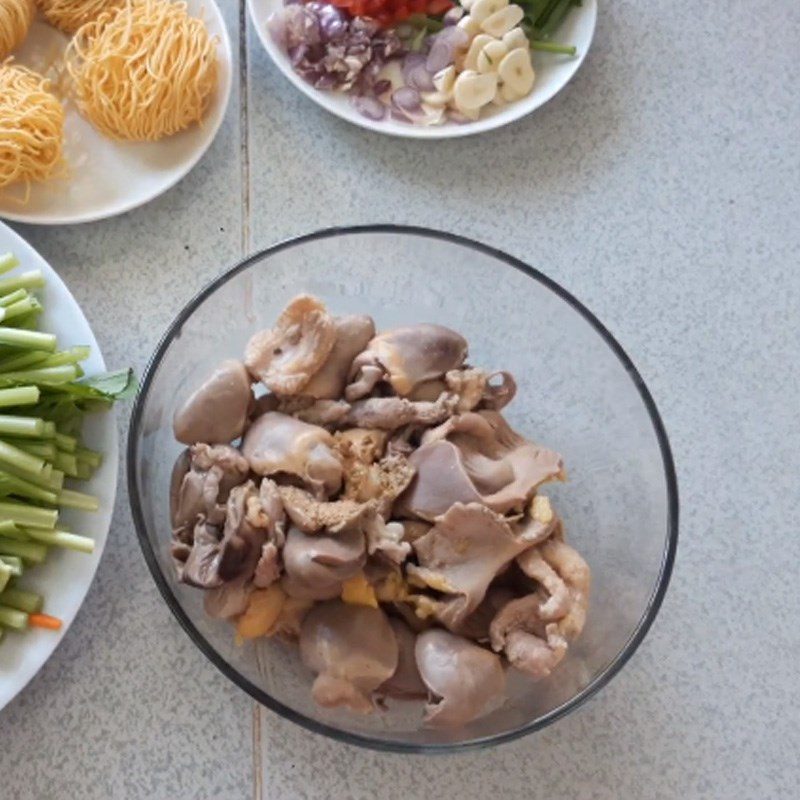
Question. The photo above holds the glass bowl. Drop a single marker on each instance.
(578, 393)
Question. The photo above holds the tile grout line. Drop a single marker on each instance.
(244, 153)
(244, 127)
(258, 789)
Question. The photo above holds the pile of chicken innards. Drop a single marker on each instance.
(374, 505)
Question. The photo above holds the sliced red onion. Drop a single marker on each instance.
(297, 53)
(406, 99)
(370, 107)
(419, 116)
(441, 56)
(420, 78)
(302, 26)
(276, 25)
(443, 48)
(410, 62)
(332, 22)
(325, 81)
(458, 37)
(331, 50)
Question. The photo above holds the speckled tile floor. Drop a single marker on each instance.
(661, 188)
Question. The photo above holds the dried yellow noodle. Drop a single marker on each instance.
(143, 72)
(69, 15)
(16, 17)
(31, 127)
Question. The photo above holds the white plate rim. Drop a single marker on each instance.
(126, 206)
(448, 131)
(105, 481)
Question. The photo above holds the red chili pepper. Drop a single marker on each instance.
(436, 7)
(389, 12)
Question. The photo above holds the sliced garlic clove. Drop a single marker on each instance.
(478, 43)
(472, 90)
(515, 38)
(434, 115)
(436, 99)
(468, 114)
(490, 57)
(508, 94)
(444, 79)
(502, 21)
(516, 71)
(481, 9)
(470, 26)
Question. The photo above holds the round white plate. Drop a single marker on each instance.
(104, 177)
(65, 576)
(553, 72)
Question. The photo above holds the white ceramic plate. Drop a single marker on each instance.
(65, 576)
(106, 178)
(553, 72)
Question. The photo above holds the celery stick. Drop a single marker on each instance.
(66, 357)
(67, 463)
(12, 618)
(51, 479)
(23, 360)
(66, 443)
(28, 340)
(34, 552)
(18, 309)
(56, 480)
(21, 514)
(22, 600)
(23, 461)
(59, 538)
(85, 471)
(51, 375)
(33, 279)
(22, 488)
(45, 450)
(16, 533)
(71, 499)
(7, 262)
(14, 563)
(30, 427)
(5, 576)
(8, 528)
(19, 396)
(49, 430)
(90, 456)
(13, 297)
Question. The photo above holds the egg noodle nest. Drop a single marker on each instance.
(16, 17)
(69, 15)
(143, 71)
(31, 127)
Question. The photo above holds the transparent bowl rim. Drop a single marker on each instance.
(258, 694)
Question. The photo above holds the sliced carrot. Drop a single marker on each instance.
(44, 621)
